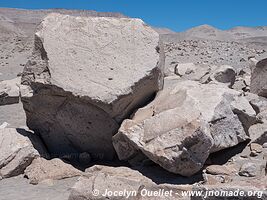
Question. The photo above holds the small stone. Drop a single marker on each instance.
(256, 147)
(219, 170)
(248, 170)
(265, 145)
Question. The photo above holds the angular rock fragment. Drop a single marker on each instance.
(258, 78)
(85, 76)
(184, 124)
(9, 91)
(18, 148)
(55, 169)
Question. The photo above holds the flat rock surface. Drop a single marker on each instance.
(112, 50)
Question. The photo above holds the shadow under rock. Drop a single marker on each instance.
(223, 156)
(36, 142)
(161, 176)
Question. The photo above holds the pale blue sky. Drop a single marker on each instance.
(177, 15)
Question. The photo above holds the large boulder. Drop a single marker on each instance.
(18, 148)
(55, 169)
(258, 78)
(85, 76)
(184, 124)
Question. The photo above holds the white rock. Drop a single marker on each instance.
(9, 91)
(89, 75)
(17, 150)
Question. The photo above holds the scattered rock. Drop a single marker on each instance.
(258, 78)
(76, 111)
(55, 169)
(9, 91)
(184, 68)
(18, 148)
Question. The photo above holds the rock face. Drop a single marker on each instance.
(18, 148)
(184, 124)
(55, 169)
(258, 78)
(85, 76)
(9, 91)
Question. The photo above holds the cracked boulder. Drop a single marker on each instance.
(18, 148)
(85, 76)
(184, 124)
(258, 78)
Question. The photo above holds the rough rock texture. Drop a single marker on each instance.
(258, 78)
(55, 169)
(9, 91)
(183, 125)
(18, 148)
(85, 76)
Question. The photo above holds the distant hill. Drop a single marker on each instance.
(27, 20)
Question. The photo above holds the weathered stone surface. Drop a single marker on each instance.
(85, 76)
(55, 169)
(258, 78)
(9, 91)
(182, 126)
(18, 148)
